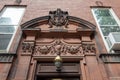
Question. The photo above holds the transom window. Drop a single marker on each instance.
(9, 21)
(107, 22)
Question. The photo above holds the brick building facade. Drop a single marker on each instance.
(59, 40)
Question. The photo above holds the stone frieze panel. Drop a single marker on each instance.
(58, 47)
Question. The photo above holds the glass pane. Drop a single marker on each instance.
(107, 29)
(4, 41)
(7, 29)
(104, 17)
(5, 21)
(106, 21)
(12, 15)
(101, 12)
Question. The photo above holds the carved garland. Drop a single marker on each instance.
(58, 47)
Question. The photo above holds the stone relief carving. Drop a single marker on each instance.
(58, 18)
(89, 48)
(62, 48)
(27, 46)
(58, 47)
(44, 49)
(73, 49)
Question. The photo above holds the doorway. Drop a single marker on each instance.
(58, 78)
(47, 71)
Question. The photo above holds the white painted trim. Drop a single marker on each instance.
(10, 43)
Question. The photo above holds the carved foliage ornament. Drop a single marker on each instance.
(89, 48)
(58, 18)
(73, 49)
(44, 49)
(27, 46)
(58, 47)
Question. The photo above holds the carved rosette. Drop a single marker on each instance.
(27, 47)
(89, 48)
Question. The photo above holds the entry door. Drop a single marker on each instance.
(58, 79)
(47, 71)
(62, 79)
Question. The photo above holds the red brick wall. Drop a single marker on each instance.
(78, 8)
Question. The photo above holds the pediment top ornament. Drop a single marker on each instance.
(58, 18)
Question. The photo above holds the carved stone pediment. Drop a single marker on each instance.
(58, 21)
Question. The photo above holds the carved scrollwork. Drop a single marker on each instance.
(89, 48)
(27, 46)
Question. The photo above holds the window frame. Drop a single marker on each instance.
(99, 28)
(15, 26)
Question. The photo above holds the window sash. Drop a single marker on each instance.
(11, 15)
(106, 19)
(9, 22)
(107, 29)
(4, 41)
(7, 29)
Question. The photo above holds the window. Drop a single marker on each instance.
(9, 20)
(107, 23)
